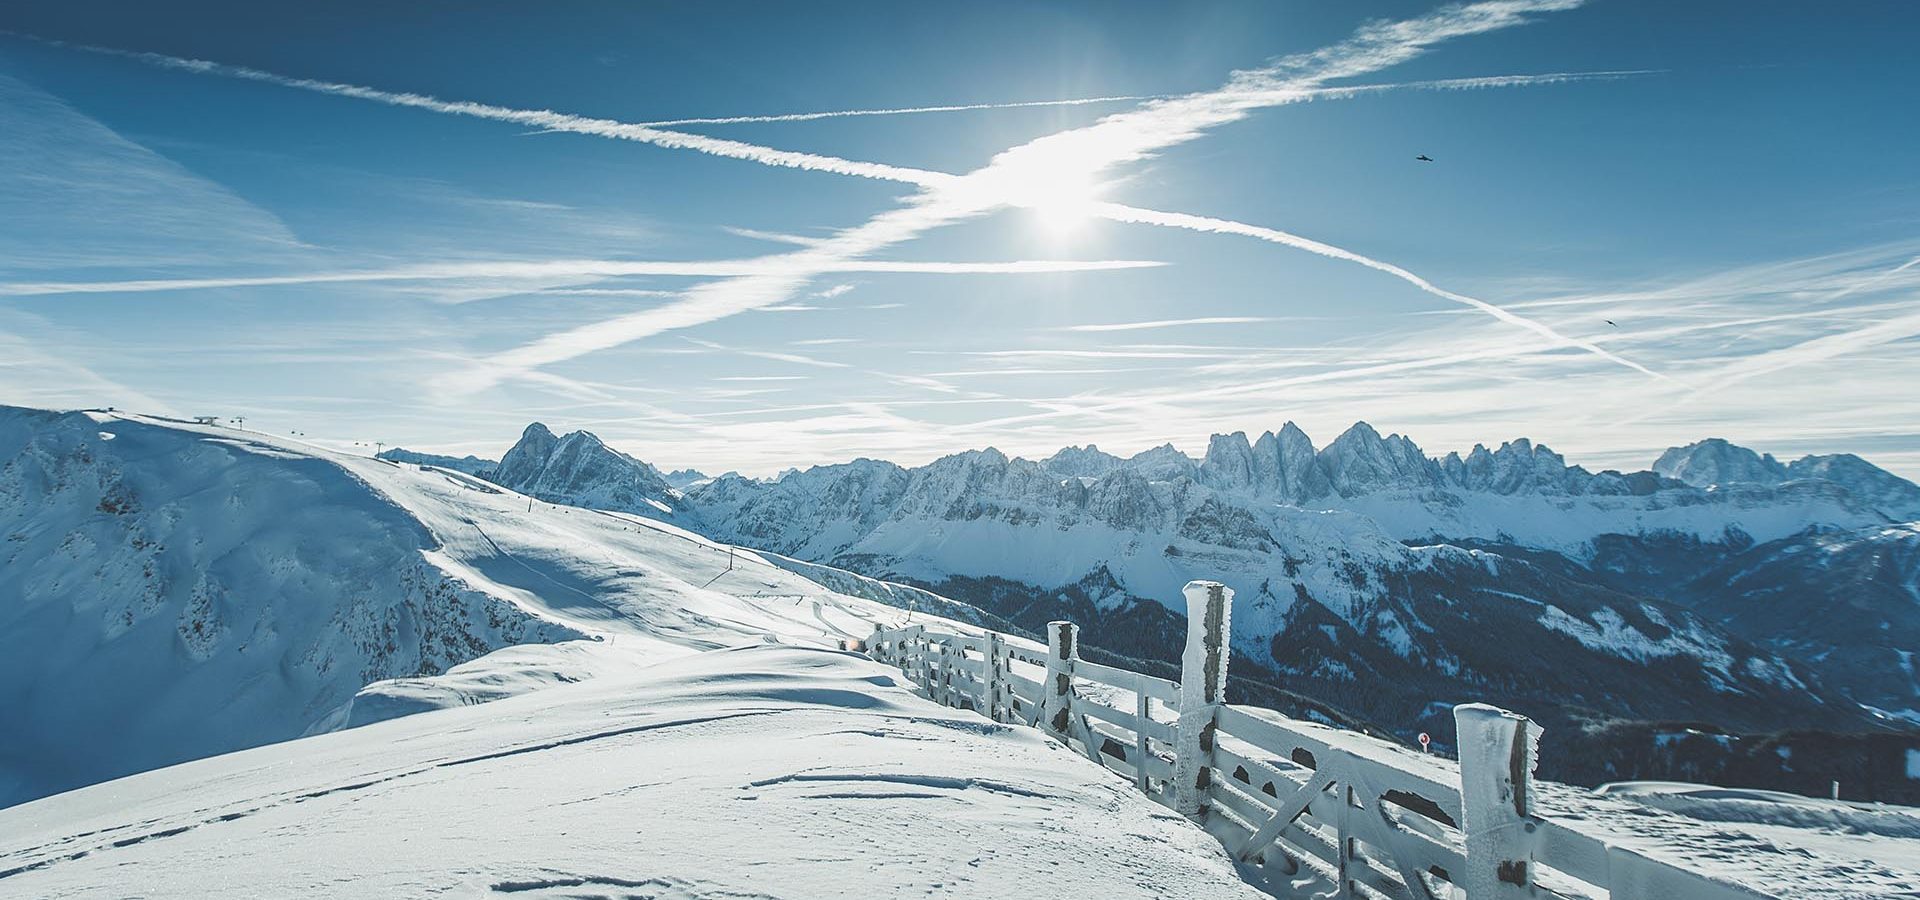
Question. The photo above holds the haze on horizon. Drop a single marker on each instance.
(822, 232)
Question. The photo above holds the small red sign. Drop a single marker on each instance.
(1424, 740)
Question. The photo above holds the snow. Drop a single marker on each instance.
(624, 706)
(759, 771)
(1850, 849)
(251, 585)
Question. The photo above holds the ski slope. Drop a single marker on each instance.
(760, 771)
(170, 591)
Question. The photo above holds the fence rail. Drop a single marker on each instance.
(1306, 809)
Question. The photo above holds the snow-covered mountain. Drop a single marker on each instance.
(1386, 580)
(171, 591)
(1715, 462)
(470, 464)
(580, 470)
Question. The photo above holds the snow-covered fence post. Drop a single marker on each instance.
(948, 652)
(1056, 704)
(1203, 683)
(994, 691)
(1497, 758)
(923, 662)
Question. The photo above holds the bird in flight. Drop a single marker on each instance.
(1609, 322)
(1424, 158)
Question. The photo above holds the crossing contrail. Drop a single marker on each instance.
(1121, 213)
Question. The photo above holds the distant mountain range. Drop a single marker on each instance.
(1719, 586)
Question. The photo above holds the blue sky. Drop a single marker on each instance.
(1250, 249)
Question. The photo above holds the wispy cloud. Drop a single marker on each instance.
(1038, 172)
(95, 198)
(1171, 323)
(774, 355)
(578, 269)
(1075, 353)
(1050, 171)
(610, 292)
(31, 374)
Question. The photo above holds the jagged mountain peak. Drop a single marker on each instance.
(1361, 429)
(1081, 462)
(1162, 463)
(1360, 461)
(684, 478)
(1290, 431)
(579, 468)
(1716, 461)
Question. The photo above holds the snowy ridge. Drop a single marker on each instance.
(1342, 553)
(133, 571)
(171, 591)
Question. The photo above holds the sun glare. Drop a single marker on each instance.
(1063, 206)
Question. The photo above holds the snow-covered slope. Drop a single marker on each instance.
(470, 464)
(762, 771)
(165, 595)
(170, 591)
(1331, 595)
(673, 717)
(1384, 580)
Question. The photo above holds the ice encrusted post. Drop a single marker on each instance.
(1056, 704)
(1203, 683)
(1497, 758)
(995, 688)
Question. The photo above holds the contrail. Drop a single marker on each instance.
(1170, 323)
(1442, 84)
(900, 111)
(1121, 213)
(1883, 276)
(541, 119)
(1021, 176)
(551, 122)
(1036, 169)
(571, 268)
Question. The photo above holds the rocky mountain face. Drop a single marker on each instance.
(1714, 463)
(166, 595)
(579, 470)
(1720, 586)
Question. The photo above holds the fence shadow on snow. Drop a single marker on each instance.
(1307, 810)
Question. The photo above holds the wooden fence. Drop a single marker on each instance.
(1307, 810)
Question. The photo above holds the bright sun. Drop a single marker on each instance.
(1062, 204)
